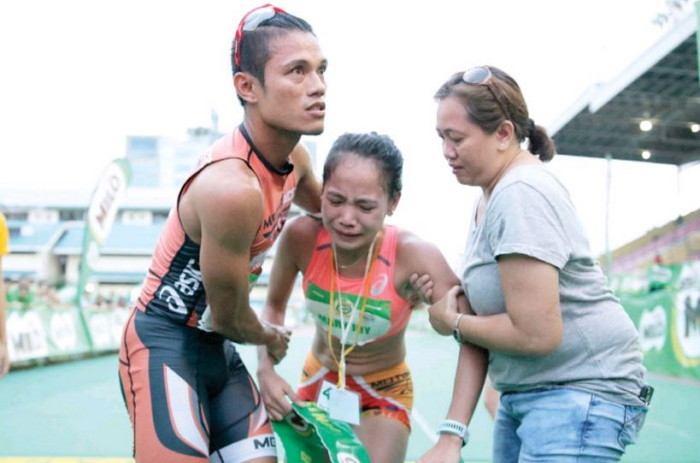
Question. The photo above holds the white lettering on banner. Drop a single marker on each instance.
(652, 329)
(63, 333)
(104, 204)
(26, 336)
(45, 333)
(113, 184)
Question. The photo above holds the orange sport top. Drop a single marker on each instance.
(386, 312)
(173, 286)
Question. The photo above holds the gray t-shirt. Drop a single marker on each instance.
(530, 213)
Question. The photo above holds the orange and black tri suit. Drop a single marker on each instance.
(189, 396)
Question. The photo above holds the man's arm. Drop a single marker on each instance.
(223, 207)
(308, 192)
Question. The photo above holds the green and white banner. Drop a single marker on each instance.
(38, 334)
(309, 435)
(664, 303)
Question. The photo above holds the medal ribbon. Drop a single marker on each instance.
(372, 254)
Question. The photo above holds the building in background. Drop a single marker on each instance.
(46, 230)
(676, 242)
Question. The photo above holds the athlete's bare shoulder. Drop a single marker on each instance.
(224, 196)
(417, 255)
(409, 243)
(308, 193)
(300, 154)
(303, 228)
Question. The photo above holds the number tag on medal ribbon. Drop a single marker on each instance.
(344, 406)
(324, 394)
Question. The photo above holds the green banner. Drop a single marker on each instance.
(664, 304)
(309, 435)
(45, 333)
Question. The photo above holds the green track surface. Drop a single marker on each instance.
(73, 412)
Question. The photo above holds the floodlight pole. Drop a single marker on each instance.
(608, 182)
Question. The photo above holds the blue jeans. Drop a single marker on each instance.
(563, 425)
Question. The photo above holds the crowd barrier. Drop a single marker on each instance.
(664, 303)
(43, 334)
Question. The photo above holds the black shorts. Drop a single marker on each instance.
(189, 396)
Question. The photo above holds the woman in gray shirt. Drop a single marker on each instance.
(562, 351)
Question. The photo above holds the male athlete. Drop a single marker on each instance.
(189, 396)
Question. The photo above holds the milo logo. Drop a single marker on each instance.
(652, 328)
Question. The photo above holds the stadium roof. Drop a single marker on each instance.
(661, 86)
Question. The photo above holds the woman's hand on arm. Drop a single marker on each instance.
(532, 323)
(443, 314)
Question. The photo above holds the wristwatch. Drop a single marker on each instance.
(455, 428)
(455, 329)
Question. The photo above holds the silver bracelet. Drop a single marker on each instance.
(455, 329)
(455, 428)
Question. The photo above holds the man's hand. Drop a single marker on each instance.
(277, 341)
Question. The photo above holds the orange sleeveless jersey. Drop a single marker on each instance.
(385, 313)
(173, 286)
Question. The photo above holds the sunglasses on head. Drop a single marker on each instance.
(482, 75)
(250, 22)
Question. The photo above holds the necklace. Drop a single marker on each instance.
(357, 261)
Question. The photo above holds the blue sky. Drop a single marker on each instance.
(79, 76)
